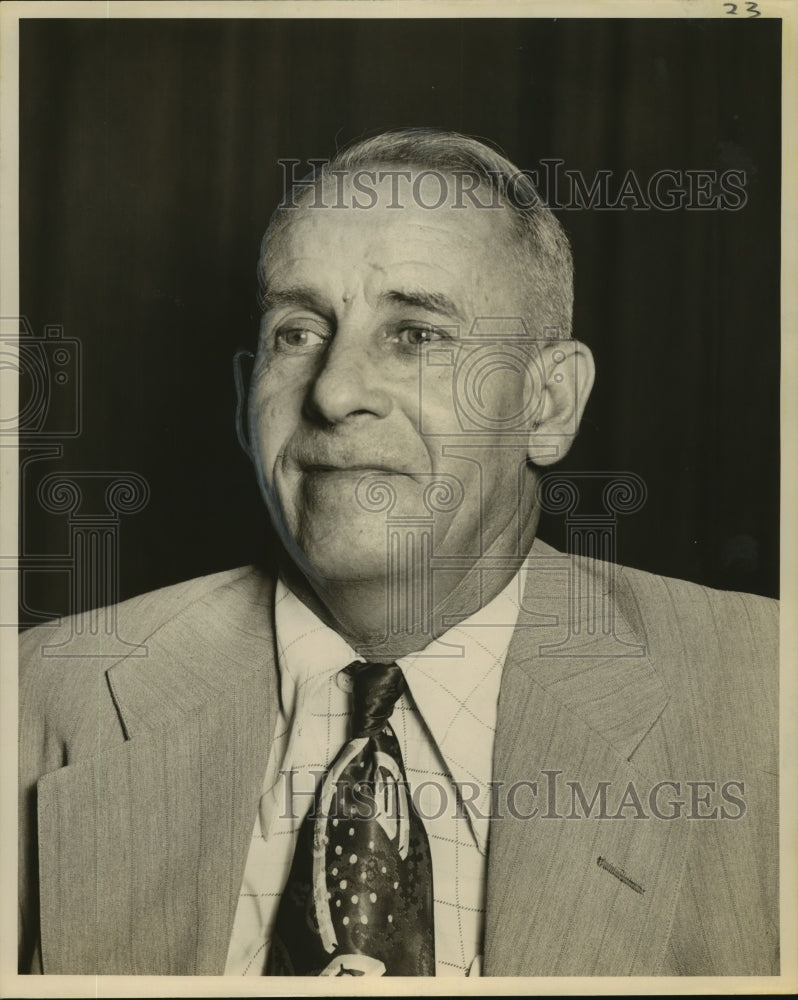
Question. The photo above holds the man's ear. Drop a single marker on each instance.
(568, 373)
(242, 373)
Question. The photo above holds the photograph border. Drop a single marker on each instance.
(12, 985)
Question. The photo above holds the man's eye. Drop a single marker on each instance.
(417, 336)
(297, 338)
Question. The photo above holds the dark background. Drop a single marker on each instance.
(148, 171)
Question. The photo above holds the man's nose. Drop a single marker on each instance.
(348, 384)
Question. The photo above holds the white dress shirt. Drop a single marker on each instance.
(445, 724)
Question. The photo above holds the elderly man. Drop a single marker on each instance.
(420, 741)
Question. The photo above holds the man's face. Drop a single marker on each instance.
(366, 365)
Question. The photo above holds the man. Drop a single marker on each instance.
(419, 741)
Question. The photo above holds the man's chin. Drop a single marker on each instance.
(345, 551)
(348, 560)
(341, 522)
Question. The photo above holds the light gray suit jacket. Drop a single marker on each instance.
(140, 778)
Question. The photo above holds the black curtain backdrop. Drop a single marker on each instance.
(148, 171)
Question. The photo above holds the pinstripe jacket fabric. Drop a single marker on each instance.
(140, 775)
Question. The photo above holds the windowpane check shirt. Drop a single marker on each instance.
(445, 723)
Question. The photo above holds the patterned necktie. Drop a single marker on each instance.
(358, 900)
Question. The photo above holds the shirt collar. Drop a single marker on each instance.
(308, 651)
(454, 682)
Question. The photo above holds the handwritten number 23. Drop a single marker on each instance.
(752, 8)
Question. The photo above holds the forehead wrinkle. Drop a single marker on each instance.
(415, 296)
(410, 283)
(468, 231)
(454, 256)
(437, 223)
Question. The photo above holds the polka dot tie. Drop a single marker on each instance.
(358, 900)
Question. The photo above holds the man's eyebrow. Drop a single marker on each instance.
(435, 302)
(301, 296)
(307, 298)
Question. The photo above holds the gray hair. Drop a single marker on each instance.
(541, 237)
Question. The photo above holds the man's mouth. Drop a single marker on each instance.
(364, 467)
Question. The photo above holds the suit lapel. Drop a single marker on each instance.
(143, 848)
(577, 702)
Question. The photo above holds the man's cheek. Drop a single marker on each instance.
(273, 420)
